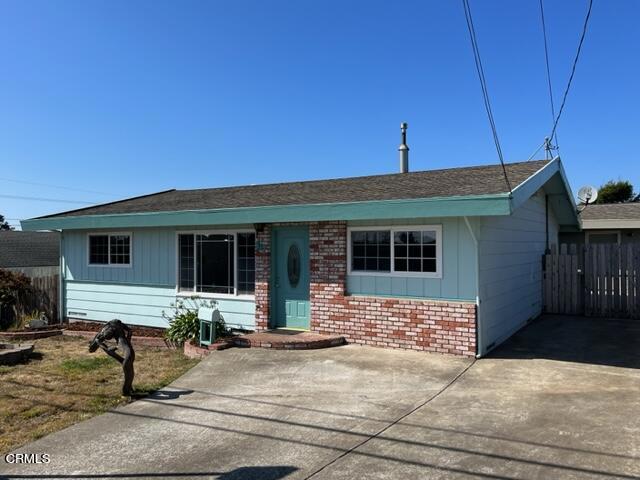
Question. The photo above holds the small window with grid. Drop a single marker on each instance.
(110, 249)
(120, 249)
(371, 251)
(187, 262)
(246, 263)
(396, 251)
(99, 249)
(415, 251)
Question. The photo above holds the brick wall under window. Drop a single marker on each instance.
(428, 325)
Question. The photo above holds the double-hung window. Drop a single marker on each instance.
(397, 251)
(217, 263)
(110, 249)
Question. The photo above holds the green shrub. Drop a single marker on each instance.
(14, 286)
(184, 325)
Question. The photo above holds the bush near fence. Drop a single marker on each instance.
(41, 296)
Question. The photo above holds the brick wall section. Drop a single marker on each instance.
(263, 274)
(427, 325)
(435, 326)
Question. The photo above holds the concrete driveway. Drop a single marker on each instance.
(561, 400)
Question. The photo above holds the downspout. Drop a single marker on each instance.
(479, 339)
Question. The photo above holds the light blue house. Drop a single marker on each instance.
(442, 260)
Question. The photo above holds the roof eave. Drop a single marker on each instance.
(536, 181)
(476, 205)
(609, 223)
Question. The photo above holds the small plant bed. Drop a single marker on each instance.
(153, 341)
(27, 334)
(138, 331)
(63, 384)
(185, 328)
(193, 350)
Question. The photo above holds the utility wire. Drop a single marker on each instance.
(42, 199)
(573, 69)
(536, 152)
(483, 86)
(546, 58)
(25, 182)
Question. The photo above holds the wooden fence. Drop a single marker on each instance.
(601, 280)
(41, 297)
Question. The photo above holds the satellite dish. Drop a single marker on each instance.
(587, 194)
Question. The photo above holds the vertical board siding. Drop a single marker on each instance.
(153, 259)
(137, 294)
(511, 251)
(458, 280)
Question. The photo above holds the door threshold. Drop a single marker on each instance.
(289, 330)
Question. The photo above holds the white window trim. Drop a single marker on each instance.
(109, 235)
(208, 295)
(602, 232)
(393, 229)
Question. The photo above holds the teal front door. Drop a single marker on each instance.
(290, 267)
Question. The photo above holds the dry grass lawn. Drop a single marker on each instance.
(64, 384)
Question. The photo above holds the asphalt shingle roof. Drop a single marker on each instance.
(29, 249)
(479, 180)
(612, 211)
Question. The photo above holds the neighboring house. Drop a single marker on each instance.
(35, 254)
(607, 223)
(443, 260)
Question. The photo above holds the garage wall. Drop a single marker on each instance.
(510, 269)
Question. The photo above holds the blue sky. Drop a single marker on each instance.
(125, 98)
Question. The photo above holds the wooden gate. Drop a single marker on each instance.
(601, 280)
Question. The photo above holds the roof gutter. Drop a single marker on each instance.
(472, 205)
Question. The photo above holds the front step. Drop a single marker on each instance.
(288, 340)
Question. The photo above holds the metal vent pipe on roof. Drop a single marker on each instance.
(404, 149)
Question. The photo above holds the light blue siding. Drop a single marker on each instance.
(153, 259)
(135, 304)
(137, 294)
(459, 276)
(143, 305)
(511, 250)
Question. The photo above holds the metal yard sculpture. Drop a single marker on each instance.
(121, 333)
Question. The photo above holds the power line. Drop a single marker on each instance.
(483, 86)
(536, 152)
(42, 199)
(573, 69)
(546, 58)
(25, 182)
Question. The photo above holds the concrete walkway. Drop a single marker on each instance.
(356, 412)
